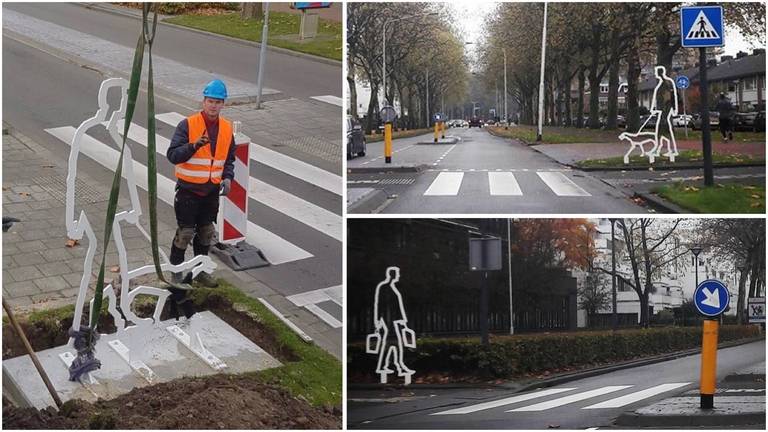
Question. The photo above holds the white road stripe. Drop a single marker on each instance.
(503, 183)
(569, 399)
(502, 402)
(446, 183)
(275, 248)
(561, 185)
(290, 205)
(333, 100)
(323, 315)
(296, 208)
(293, 167)
(333, 294)
(637, 396)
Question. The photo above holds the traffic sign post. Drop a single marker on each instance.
(388, 115)
(683, 83)
(484, 255)
(702, 27)
(711, 299)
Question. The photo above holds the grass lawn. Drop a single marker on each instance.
(563, 135)
(728, 198)
(685, 158)
(283, 31)
(398, 134)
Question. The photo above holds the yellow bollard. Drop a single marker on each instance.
(388, 143)
(708, 364)
(437, 128)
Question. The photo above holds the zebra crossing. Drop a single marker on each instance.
(504, 183)
(277, 249)
(319, 302)
(559, 398)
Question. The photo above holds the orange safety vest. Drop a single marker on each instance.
(202, 167)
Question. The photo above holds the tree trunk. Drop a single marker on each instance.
(370, 124)
(580, 103)
(644, 321)
(594, 79)
(559, 104)
(352, 88)
(633, 81)
(613, 95)
(740, 304)
(251, 10)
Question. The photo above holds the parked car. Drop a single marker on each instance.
(475, 122)
(714, 120)
(753, 121)
(355, 138)
(682, 120)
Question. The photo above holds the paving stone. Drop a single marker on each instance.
(59, 268)
(59, 254)
(19, 289)
(42, 298)
(25, 273)
(30, 246)
(51, 283)
(30, 258)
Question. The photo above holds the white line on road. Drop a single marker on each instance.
(330, 99)
(275, 248)
(561, 185)
(323, 315)
(503, 183)
(446, 183)
(293, 167)
(333, 294)
(637, 396)
(502, 402)
(570, 399)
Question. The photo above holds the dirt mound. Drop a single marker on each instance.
(215, 402)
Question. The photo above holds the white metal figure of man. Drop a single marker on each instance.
(391, 333)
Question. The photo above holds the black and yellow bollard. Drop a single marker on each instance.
(708, 363)
(437, 129)
(442, 130)
(388, 143)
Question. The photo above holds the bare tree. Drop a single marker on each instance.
(251, 10)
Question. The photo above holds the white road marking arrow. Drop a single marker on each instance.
(713, 298)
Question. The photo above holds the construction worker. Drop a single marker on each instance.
(203, 150)
(725, 111)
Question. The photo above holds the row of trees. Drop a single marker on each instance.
(586, 42)
(654, 248)
(425, 56)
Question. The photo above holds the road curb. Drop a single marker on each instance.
(660, 203)
(662, 167)
(381, 139)
(440, 142)
(130, 14)
(369, 203)
(702, 420)
(384, 170)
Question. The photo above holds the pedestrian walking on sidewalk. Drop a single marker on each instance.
(203, 151)
(725, 108)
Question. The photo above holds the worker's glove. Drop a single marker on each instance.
(202, 141)
(226, 185)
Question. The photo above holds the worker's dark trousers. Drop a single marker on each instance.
(725, 127)
(194, 214)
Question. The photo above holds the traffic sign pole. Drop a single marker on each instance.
(706, 137)
(708, 364)
(685, 116)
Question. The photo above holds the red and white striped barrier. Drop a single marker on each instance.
(233, 208)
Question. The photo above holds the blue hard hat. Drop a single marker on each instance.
(215, 90)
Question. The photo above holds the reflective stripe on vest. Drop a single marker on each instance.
(202, 166)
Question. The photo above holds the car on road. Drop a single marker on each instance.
(714, 120)
(753, 121)
(475, 122)
(682, 120)
(355, 138)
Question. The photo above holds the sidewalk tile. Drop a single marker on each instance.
(25, 273)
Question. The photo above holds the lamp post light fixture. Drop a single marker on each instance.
(614, 312)
(696, 250)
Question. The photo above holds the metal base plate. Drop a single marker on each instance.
(241, 256)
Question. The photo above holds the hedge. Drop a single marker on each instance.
(511, 356)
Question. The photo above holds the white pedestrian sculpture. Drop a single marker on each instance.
(77, 227)
(390, 320)
(663, 132)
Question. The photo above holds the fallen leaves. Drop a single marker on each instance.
(71, 243)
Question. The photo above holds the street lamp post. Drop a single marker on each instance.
(506, 116)
(614, 314)
(262, 55)
(696, 250)
(541, 78)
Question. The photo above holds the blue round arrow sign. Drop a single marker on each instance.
(711, 298)
(682, 82)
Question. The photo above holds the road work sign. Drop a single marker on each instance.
(682, 82)
(756, 310)
(711, 298)
(701, 26)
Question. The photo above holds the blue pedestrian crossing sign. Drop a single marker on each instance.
(701, 26)
(711, 298)
(682, 82)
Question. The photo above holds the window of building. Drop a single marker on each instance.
(749, 83)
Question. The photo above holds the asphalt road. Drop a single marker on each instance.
(580, 404)
(45, 96)
(294, 76)
(482, 173)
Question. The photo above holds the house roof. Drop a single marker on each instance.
(729, 69)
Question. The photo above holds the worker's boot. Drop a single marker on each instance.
(206, 280)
